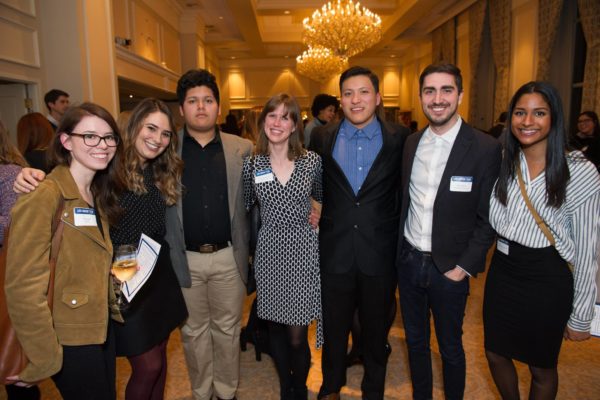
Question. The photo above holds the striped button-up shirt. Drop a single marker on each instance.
(574, 225)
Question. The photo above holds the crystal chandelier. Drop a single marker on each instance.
(346, 28)
(320, 64)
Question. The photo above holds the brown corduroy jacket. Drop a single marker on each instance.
(82, 288)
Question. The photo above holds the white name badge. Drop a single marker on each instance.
(461, 183)
(84, 216)
(502, 246)
(265, 175)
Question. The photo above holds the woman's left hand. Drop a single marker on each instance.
(576, 336)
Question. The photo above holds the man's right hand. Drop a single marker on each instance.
(28, 179)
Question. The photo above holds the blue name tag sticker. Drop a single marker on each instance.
(264, 175)
(461, 183)
(84, 216)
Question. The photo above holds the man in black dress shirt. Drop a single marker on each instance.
(208, 234)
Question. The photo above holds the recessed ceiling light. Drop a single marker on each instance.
(287, 12)
(393, 56)
(232, 57)
(220, 17)
(131, 96)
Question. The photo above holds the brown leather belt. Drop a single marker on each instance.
(208, 247)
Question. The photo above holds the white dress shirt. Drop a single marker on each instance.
(428, 167)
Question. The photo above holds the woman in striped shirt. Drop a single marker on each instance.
(532, 298)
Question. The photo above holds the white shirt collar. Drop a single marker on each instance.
(449, 136)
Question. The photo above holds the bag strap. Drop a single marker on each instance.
(538, 220)
(57, 233)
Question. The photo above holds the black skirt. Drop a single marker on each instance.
(156, 310)
(527, 303)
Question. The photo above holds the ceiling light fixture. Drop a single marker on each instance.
(320, 63)
(346, 28)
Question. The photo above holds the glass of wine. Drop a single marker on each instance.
(124, 267)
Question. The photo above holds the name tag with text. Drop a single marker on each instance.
(84, 216)
(265, 175)
(461, 183)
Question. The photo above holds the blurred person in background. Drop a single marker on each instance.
(323, 110)
(34, 133)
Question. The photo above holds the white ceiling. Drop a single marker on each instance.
(273, 28)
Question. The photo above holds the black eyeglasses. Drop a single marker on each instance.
(93, 140)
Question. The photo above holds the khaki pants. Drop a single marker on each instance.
(211, 335)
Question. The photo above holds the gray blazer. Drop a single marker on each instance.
(235, 149)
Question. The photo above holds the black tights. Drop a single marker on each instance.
(544, 381)
(148, 374)
(291, 354)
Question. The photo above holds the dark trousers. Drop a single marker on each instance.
(341, 295)
(88, 371)
(424, 291)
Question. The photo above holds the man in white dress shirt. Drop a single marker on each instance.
(448, 173)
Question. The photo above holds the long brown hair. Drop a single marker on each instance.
(167, 167)
(292, 109)
(108, 183)
(34, 132)
(8, 152)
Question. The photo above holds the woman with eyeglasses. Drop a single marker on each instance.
(152, 175)
(587, 138)
(72, 340)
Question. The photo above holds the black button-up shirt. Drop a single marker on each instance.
(205, 203)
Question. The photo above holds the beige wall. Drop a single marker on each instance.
(165, 43)
(523, 59)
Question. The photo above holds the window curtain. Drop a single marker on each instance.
(548, 23)
(589, 12)
(444, 42)
(500, 28)
(477, 22)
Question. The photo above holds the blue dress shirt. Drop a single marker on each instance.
(355, 150)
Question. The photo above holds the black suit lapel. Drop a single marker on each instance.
(328, 145)
(459, 151)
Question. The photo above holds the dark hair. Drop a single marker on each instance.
(503, 117)
(355, 71)
(594, 117)
(445, 68)
(107, 183)
(194, 78)
(167, 167)
(292, 109)
(8, 152)
(53, 95)
(34, 132)
(556, 169)
(321, 102)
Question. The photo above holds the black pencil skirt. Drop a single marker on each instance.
(527, 303)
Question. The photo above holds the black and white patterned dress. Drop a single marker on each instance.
(288, 284)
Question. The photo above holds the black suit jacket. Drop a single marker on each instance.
(461, 231)
(360, 229)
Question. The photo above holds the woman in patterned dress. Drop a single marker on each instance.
(284, 178)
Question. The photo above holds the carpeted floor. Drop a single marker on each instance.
(579, 368)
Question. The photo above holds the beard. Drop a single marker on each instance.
(440, 120)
